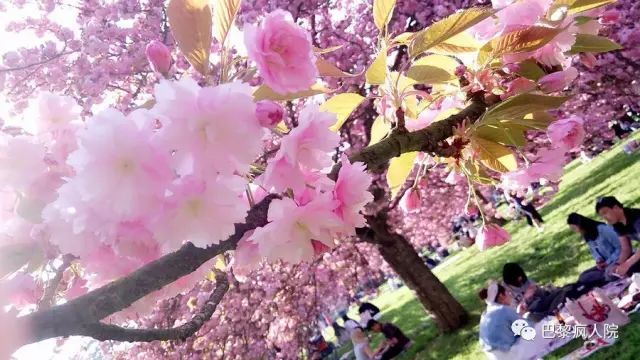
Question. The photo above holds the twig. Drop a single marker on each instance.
(52, 286)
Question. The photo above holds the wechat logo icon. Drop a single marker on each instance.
(521, 328)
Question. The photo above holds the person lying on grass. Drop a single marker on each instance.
(604, 245)
(395, 340)
(626, 223)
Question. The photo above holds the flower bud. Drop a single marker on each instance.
(410, 201)
(558, 80)
(269, 113)
(159, 56)
(588, 59)
(492, 235)
(610, 17)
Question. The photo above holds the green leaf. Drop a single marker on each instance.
(399, 169)
(342, 105)
(530, 70)
(433, 69)
(379, 130)
(478, 174)
(519, 106)
(581, 20)
(190, 22)
(224, 12)
(504, 133)
(457, 44)
(382, 10)
(446, 28)
(577, 6)
(377, 72)
(263, 92)
(593, 44)
(518, 41)
(495, 156)
(404, 38)
(326, 68)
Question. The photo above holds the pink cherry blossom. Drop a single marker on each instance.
(54, 113)
(518, 86)
(306, 147)
(159, 56)
(78, 288)
(247, 255)
(201, 212)
(203, 125)
(290, 231)
(118, 169)
(269, 113)
(22, 290)
(490, 236)
(21, 161)
(610, 16)
(351, 192)
(454, 178)
(283, 53)
(567, 133)
(558, 80)
(410, 201)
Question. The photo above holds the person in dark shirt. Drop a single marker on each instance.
(396, 340)
(626, 223)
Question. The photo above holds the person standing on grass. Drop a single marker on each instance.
(527, 209)
(367, 312)
(361, 348)
(395, 343)
(603, 243)
(626, 223)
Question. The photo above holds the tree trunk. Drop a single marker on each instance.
(405, 261)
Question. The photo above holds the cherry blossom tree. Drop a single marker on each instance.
(119, 210)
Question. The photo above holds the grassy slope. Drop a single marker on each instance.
(555, 256)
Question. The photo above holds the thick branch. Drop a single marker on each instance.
(68, 318)
(426, 140)
(102, 331)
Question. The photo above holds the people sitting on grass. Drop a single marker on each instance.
(496, 335)
(604, 245)
(533, 300)
(626, 223)
(361, 348)
(395, 340)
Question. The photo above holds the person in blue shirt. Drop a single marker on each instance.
(496, 321)
(603, 243)
(626, 223)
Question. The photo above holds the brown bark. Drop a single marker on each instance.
(405, 261)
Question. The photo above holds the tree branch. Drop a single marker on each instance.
(69, 318)
(427, 140)
(52, 286)
(102, 331)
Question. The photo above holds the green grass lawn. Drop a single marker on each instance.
(555, 256)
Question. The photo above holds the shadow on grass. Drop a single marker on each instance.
(591, 181)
